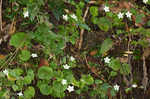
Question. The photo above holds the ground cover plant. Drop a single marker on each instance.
(74, 49)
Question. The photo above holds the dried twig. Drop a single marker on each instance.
(145, 78)
(82, 30)
(1, 16)
(129, 57)
(92, 2)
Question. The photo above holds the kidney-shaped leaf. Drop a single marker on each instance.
(45, 89)
(17, 39)
(25, 55)
(29, 93)
(115, 64)
(45, 73)
(104, 24)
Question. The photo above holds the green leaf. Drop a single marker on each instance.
(104, 87)
(97, 81)
(87, 79)
(53, 42)
(57, 74)
(139, 18)
(113, 73)
(17, 40)
(134, 11)
(104, 24)
(58, 89)
(81, 4)
(45, 73)
(15, 87)
(125, 69)
(30, 73)
(94, 10)
(4, 94)
(78, 91)
(57, 7)
(27, 79)
(25, 55)
(106, 45)
(45, 89)
(84, 26)
(29, 93)
(68, 76)
(115, 64)
(94, 20)
(113, 92)
(20, 83)
(16, 72)
(148, 23)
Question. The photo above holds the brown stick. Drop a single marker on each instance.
(129, 57)
(82, 30)
(145, 78)
(1, 16)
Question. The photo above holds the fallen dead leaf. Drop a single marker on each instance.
(94, 52)
(43, 62)
(2, 56)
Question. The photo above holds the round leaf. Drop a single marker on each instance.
(45, 73)
(17, 39)
(58, 89)
(25, 55)
(45, 89)
(115, 64)
(29, 93)
(104, 24)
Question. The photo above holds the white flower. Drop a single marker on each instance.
(107, 60)
(106, 9)
(134, 85)
(65, 17)
(20, 94)
(116, 87)
(64, 81)
(70, 88)
(34, 55)
(128, 14)
(120, 15)
(73, 16)
(72, 58)
(145, 1)
(66, 66)
(5, 72)
(26, 14)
